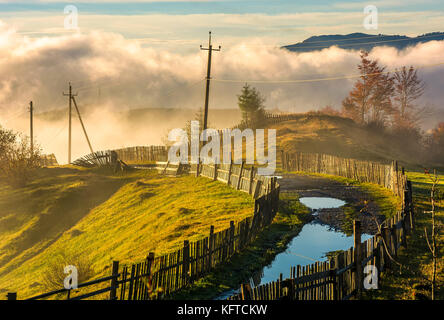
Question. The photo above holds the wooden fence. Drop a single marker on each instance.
(47, 160)
(171, 272)
(385, 175)
(132, 155)
(341, 278)
(143, 154)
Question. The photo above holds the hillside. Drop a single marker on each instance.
(358, 41)
(341, 137)
(102, 217)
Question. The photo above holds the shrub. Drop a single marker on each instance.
(17, 159)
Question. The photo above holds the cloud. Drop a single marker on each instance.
(111, 74)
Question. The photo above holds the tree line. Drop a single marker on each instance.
(379, 100)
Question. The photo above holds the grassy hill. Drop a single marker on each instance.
(103, 217)
(342, 137)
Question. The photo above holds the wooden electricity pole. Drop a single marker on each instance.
(70, 95)
(31, 127)
(83, 126)
(207, 91)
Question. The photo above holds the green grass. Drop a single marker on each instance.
(290, 219)
(103, 217)
(317, 133)
(408, 283)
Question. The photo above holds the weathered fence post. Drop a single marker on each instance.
(386, 247)
(246, 291)
(240, 175)
(403, 230)
(357, 251)
(210, 248)
(11, 296)
(186, 261)
(393, 238)
(250, 188)
(150, 260)
(215, 171)
(114, 285)
(229, 172)
(231, 239)
(334, 278)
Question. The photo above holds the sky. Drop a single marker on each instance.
(146, 55)
(183, 25)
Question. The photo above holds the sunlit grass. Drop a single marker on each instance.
(408, 283)
(138, 213)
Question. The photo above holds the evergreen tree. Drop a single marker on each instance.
(251, 104)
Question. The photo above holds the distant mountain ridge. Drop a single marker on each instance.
(361, 41)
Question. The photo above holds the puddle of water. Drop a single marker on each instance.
(317, 203)
(310, 245)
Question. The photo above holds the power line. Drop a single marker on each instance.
(15, 115)
(322, 79)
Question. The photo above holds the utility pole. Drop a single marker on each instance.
(31, 127)
(207, 91)
(70, 95)
(83, 126)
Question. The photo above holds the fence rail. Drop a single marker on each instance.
(385, 175)
(47, 160)
(341, 278)
(171, 272)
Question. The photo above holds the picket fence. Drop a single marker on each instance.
(163, 275)
(342, 277)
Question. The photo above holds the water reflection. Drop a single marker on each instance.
(309, 246)
(317, 203)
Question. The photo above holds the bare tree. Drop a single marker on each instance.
(408, 89)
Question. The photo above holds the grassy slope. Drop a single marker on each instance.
(338, 136)
(290, 219)
(287, 224)
(136, 214)
(403, 284)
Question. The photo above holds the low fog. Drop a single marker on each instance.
(113, 75)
